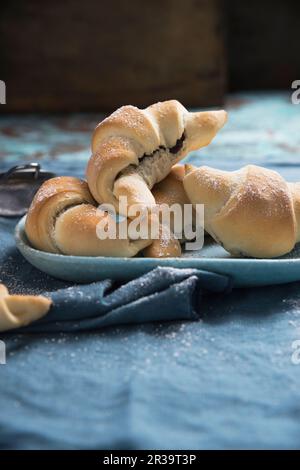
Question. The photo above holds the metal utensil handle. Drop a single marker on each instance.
(29, 166)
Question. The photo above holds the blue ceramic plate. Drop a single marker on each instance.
(212, 257)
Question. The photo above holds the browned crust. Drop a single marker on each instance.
(170, 190)
(130, 133)
(20, 310)
(249, 211)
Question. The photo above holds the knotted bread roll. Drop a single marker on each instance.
(20, 310)
(63, 219)
(135, 148)
(251, 212)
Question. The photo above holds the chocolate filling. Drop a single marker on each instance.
(152, 166)
(66, 208)
(178, 146)
(58, 214)
(175, 149)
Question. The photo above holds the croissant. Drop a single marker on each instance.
(63, 219)
(170, 190)
(252, 212)
(135, 148)
(165, 246)
(20, 310)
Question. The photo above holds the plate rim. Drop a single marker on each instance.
(20, 232)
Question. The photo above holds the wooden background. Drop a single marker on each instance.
(97, 55)
(263, 47)
(74, 55)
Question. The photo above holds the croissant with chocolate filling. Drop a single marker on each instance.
(252, 211)
(63, 219)
(135, 148)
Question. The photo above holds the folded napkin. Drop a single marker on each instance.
(163, 294)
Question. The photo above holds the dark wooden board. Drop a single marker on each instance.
(74, 55)
(263, 43)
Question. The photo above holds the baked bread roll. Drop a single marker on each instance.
(171, 191)
(63, 218)
(20, 310)
(168, 192)
(166, 246)
(252, 212)
(135, 148)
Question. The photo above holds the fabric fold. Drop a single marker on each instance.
(163, 294)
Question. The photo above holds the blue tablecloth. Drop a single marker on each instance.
(225, 381)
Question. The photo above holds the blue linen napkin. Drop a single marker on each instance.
(163, 294)
(160, 295)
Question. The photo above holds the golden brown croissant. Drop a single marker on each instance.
(135, 148)
(63, 218)
(166, 246)
(20, 310)
(170, 190)
(252, 211)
